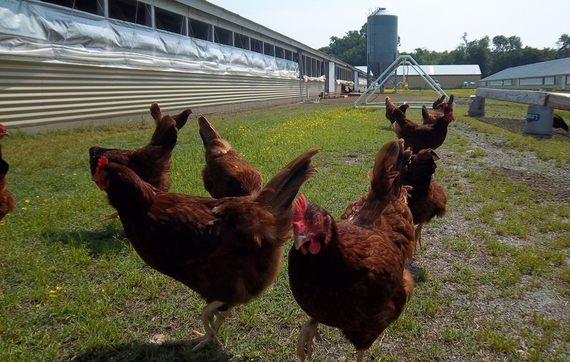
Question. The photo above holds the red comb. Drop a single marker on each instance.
(300, 208)
(102, 161)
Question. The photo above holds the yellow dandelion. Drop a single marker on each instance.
(45, 200)
(59, 287)
(24, 208)
(37, 196)
(75, 174)
(37, 305)
(27, 201)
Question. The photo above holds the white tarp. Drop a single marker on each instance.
(45, 33)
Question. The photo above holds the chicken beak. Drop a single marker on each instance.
(301, 239)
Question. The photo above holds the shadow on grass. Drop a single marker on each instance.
(155, 353)
(419, 274)
(108, 240)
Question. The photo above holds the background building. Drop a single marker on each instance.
(550, 75)
(70, 61)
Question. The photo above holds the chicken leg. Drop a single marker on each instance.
(418, 234)
(305, 343)
(212, 320)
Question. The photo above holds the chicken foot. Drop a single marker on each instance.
(418, 234)
(212, 319)
(112, 216)
(306, 339)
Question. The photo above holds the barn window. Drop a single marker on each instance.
(130, 10)
(199, 29)
(257, 45)
(169, 21)
(549, 81)
(530, 81)
(288, 54)
(268, 49)
(241, 41)
(223, 36)
(279, 52)
(89, 6)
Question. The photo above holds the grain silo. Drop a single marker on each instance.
(382, 40)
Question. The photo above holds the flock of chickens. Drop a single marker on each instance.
(348, 273)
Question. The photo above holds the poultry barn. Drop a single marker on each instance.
(109, 59)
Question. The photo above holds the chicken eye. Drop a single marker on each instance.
(318, 220)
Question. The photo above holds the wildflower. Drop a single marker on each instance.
(24, 208)
(37, 305)
(27, 201)
(59, 287)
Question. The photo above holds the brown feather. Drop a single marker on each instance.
(228, 250)
(152, 161)
(427, 198)
(225, 172)
(358, 262)
(7, 200)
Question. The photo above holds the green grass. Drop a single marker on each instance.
(72, 287)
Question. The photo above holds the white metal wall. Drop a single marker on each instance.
(39, 93)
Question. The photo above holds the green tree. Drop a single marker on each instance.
(351, 48)
(503, 52)
(563, 46)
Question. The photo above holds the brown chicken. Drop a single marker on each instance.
(225, 173)
(152, 161)
(420, 136)
(227, 250)
(180, 119)
(558, 122)
(437, 103)
(7, 201)
(3, 131)
(390, 106)
(351, 274)
(427, 198)
(438, 111)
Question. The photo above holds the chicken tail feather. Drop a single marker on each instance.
(388, 166)
(207, 131)
(165, 134)
(282, 189)
(182, 118)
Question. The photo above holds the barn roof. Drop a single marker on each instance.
(542, 69)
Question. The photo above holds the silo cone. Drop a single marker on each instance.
(539, 120)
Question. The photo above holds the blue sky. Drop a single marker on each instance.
(434, 25)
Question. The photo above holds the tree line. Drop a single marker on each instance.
(492, 55)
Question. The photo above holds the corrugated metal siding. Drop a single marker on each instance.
(39, 93)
